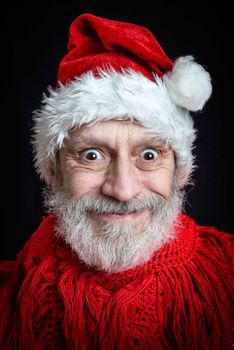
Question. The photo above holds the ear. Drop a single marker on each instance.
(50, 176)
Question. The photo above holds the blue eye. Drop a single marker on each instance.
(149, 154)
(92, 154)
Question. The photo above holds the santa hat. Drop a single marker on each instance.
(118, 70)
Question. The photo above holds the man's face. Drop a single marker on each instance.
(118, 160)
(120, 177)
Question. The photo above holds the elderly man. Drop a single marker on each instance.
(116, 265)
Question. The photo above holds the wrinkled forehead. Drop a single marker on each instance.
(113, 131)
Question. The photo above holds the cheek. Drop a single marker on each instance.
(78, 184)
(160, 182)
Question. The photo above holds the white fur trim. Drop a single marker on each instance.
(189, 84)
(89, 99)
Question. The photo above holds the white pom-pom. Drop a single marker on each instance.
(188, 84)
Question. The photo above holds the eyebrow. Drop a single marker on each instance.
(92, 140)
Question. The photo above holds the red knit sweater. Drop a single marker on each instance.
(180, 299)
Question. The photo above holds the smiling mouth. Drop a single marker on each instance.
(124, 216)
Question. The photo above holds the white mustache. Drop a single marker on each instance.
(104, 205)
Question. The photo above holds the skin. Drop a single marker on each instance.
(116, 159)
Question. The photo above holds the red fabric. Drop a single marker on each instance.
(180, 299)
(96, 42)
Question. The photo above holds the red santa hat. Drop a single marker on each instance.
(118, 70)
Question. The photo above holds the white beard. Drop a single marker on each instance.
(114, 247)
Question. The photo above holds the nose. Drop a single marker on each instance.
(122, 180)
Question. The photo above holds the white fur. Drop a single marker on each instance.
(188, 83)
(89, 99)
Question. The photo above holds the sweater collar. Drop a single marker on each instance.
(174, 253)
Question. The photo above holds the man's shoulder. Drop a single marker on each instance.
(189, 222)
(207, 240)
(44, 233)
(37, 247)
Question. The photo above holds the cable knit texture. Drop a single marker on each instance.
(180, 299)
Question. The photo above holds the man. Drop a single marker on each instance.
(116, 265)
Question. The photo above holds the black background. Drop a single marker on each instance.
(34, 39)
